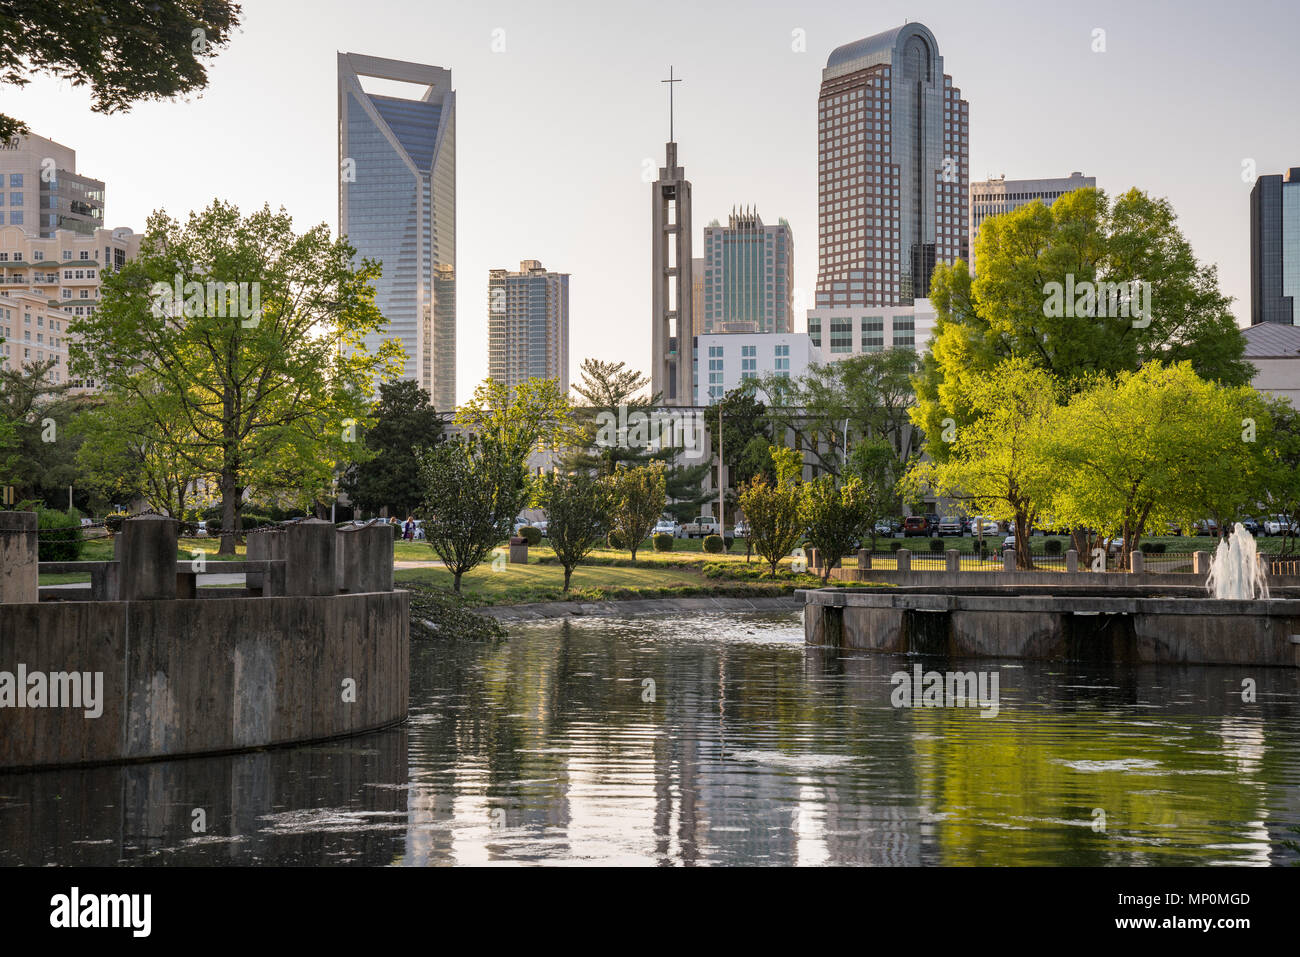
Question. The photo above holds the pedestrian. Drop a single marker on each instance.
(408, 532)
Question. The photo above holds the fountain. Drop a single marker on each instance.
(1235, 571)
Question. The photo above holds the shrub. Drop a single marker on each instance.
(1052, 546)
(937, 545)
(614, 540)
(663, 542)
(113, 521)
(1152, 548)
(713, 544)
(896, 546)
(58, 536)
(531, 534)
(214, 526)
(728, 542)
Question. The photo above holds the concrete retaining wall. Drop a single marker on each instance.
(1131, 629)
(182, 677)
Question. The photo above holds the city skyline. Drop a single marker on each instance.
(1112, 113)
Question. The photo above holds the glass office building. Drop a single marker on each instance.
(1275, 248)
(893, 175)
(397, 205)
(748, 276)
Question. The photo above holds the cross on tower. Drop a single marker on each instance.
(670, 81)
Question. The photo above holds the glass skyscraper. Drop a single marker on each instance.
(1275, 248)
(893, 146)
(397, 205)
(748, 276)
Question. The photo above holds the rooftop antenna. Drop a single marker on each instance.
(670, 81)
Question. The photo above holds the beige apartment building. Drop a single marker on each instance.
(45, 284)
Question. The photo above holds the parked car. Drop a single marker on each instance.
(1277, 525)
(201, 529)
(666, 526)
(1207, 526)
(885, 527)
(915, 525)
(982, 525)
(700, 527)
(1250, 525)
(741, 530)
(950, 525)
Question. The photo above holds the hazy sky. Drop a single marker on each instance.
(553, 132)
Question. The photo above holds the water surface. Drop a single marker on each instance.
(718, 740)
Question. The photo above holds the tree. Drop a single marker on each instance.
(234, 338)
(1281, 478)
(38, 457)
(834, 516)
(1044, 293)
(1153, 446)
(125, 50)
(874, 463)
(996, 462)
(607, 389)
(637, 496)
(404, 422)
(576, 512)
(518, 422)
(772, 510)
(472, 493)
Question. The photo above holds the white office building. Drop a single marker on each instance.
(839, 332)
(993, 197)
(723, 361)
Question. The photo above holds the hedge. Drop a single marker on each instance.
(58, 536)
(531, 534)
(663, 542)
(713, 544)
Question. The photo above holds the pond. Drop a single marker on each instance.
(720, 740)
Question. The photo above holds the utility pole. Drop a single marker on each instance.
(722, 515)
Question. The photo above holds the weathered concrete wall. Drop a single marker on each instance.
(180, 677)
(1097, 627)
(19, 575)
(947, 579)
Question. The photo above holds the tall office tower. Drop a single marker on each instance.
(748, 276)
(397, 204)
(673, 336)
(41, 191)
(993, 197)
(893, 147)
(528, 325)
(1275, 247)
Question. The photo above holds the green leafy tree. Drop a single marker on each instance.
(404, 422)
(772, 509)
(1030, 258)
(472, 493)
(874, 463)
(606, 391)
(577, 507)
(235, 338)
(1281, 479)
(637, 496)
(835, 517)
(124, 50)
(1153, 446)
(996, 463)
(38, 457)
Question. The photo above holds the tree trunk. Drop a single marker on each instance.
(568, 571)
(1024, 561)
(227, 546)
(455, 585)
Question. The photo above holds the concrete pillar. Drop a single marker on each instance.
(518, 550)
(814, 559)
(1137, 563)
(864, 559)
(19, 558)
(953, 563)
(310, 562)
(365, 559)
(904, 558)
(264, 547)
(1009, 560)
(1201, 563)
(1072, 560)
(147, 553)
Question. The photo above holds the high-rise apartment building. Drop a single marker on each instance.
(41, 190)
(748, 276)
(1275, 247)
(528, 325)
(397, 204)
(893, 148)
(46, 283)
(993, 197)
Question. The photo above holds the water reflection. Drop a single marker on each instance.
(712, 740)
